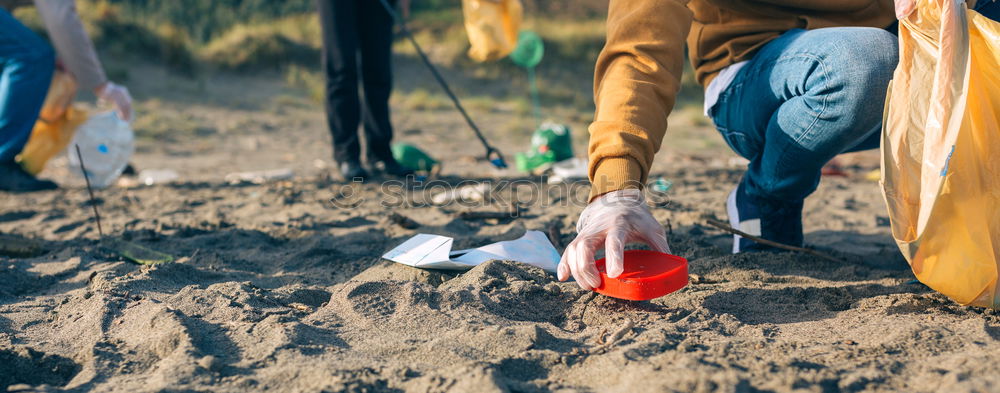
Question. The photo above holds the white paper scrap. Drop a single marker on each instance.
(434, 252)
(425, 251)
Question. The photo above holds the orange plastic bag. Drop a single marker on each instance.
(941, 150)
(492, 26)
(56, 124)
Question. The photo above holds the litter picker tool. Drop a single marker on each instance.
(492, 154)
(128, 250)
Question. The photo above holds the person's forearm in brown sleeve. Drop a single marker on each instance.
(636, 80)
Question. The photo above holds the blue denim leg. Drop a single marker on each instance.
(26, 66)
(989, 8)
(804, 98)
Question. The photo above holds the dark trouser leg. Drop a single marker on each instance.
(26, 66)
(339, 20)
(375, 31)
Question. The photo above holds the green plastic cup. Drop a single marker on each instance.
(412, 157)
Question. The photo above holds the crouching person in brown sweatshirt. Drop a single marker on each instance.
(788, 83)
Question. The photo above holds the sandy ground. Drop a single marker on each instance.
(276, 288)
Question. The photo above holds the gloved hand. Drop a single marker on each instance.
(118, 96)
(610, 221)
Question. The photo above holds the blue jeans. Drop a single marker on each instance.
(26, 66)
(806, 97)
(989, 8)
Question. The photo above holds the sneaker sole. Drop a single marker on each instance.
(734, 219)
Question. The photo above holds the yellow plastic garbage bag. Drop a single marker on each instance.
(56, 124)
(492, 26)
(941, 150)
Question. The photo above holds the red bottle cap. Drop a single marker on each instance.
(648, 275)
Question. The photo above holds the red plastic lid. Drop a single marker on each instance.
(648, 275)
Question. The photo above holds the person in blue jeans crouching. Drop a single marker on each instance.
(26, 66)
(789, 84)
(803, 99)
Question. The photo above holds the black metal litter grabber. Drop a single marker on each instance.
(492, 154)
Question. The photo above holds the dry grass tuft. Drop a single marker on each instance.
(246, 48)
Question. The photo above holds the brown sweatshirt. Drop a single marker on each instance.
(638, 73)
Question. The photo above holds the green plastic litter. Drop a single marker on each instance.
(136, 253)
(662, 185)
(528, 53)
(551, 143)
(529, 50)
(412, 157)
(527, 162)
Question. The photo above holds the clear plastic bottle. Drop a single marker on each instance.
(106, 143)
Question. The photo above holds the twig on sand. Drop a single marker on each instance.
(486, 215)
(621, 332)
(583, 310)
(606, 342)
(725, 227)
(403, 221)
(555, 234)
(90, 191)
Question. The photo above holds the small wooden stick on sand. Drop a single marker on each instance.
(725, 227)
(512, 213)
(403, 221)
(93, 201)
(555, 234)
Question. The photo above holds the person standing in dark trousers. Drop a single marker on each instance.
(357, 45)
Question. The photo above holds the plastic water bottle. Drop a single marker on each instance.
(106, 143)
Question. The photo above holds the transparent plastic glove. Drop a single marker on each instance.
(118, 96)
(610, 222)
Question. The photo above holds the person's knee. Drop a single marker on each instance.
(858, 66)
(856, 59)
(847, 92)
(877, 55)
(345, 82)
